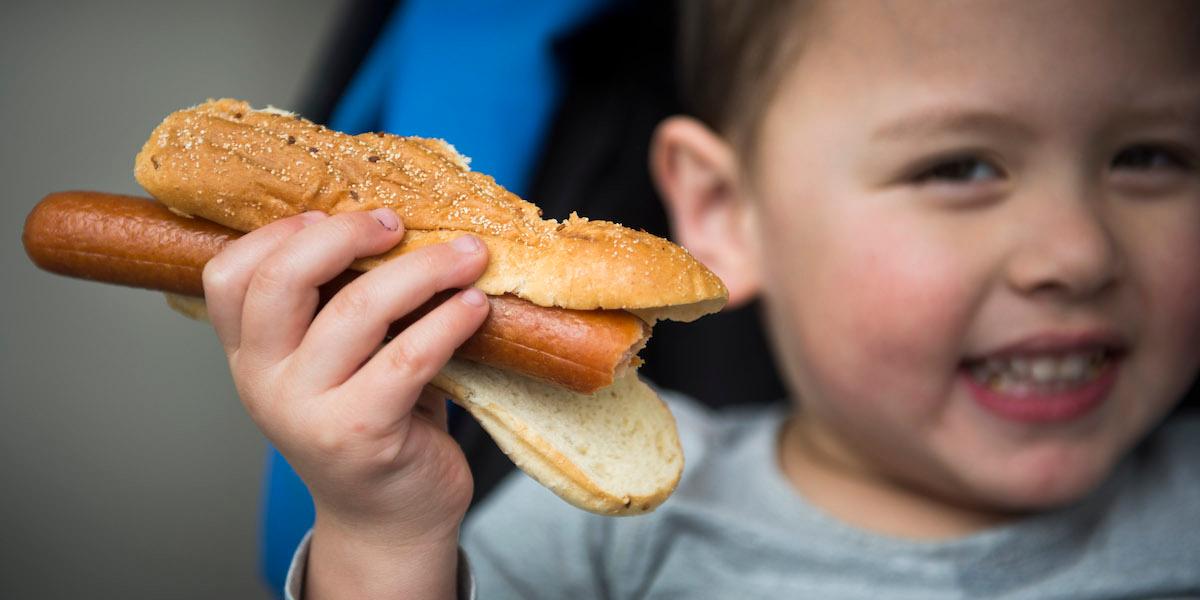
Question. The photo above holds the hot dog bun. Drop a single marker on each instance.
(242, 168)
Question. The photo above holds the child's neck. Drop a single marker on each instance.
(843, 486)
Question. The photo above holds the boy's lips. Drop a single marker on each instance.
(1046, 378)
(1058, 343)
(1036, 404)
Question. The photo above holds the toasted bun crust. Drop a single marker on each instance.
(243, 168)
(615, 452)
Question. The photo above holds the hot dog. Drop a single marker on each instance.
(140, 243)
(223, 167)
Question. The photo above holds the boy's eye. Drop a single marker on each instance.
(965, 169)
(1146, 157)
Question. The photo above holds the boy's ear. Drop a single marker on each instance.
(697, 175)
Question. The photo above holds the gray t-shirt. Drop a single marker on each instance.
(735, 528)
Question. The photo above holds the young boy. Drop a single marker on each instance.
(975, 226)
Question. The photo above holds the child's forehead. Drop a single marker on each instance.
(915, 29)
(745, 65)
(998, 48)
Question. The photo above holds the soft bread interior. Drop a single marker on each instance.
(614, 452)
(685, 313)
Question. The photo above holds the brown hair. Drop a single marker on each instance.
(732, 56)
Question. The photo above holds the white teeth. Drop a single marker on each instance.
(1019, 366)
(1073, 368)
(1042, 370)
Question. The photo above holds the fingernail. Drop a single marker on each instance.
(312, 216)
(386, 217)
(467, 244)
(473, 296)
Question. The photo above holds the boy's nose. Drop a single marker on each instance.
(1066, 248)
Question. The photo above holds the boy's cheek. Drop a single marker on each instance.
(1169, 298)
(911, 300)
(884, 325)
(1172, 343)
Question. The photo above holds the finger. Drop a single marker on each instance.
(388, 385)
(228, 274)
(431, 406)
(282, 295)
(352, 325)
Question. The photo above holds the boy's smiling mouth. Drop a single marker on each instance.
(1025, 374)
(1045, 378)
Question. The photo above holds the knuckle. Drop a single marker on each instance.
(408, 364)
(458, 321)
(431, 259)
(348, 227)
(217, 278)
(353, 302)
(275, 272)
(442, 263)
(420, 269)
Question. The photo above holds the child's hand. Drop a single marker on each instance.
(353, 422)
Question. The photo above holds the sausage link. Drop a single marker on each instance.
(140, 243)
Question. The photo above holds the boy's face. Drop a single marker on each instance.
(980, 236)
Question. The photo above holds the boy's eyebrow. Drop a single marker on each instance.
(1173, 111)
(1174, 108)
(939, 119)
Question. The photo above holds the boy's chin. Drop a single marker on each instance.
(1035, 488)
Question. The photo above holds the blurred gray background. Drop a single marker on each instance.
(127, 466)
